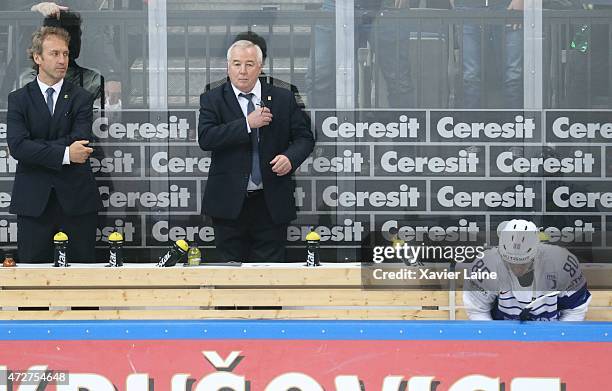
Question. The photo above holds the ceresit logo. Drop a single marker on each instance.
(8, 231)
(563, 229)
(124, 227)
(164, 232)
(521, 128)
(484, 195)
(121, 196)
(577, 198)
(580, 161)
(495, 126)
(403, 195)
(176, 128)
(394, 162)
(328, 161)
(119, 162)
(349, 231)
(8, 165)
(303, 195)
(463, 231)
(161, 162)
(565, 129)
(370, 125)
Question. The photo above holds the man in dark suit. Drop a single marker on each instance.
(48, 128)
(258, 136)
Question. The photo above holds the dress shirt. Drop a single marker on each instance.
(57, 87)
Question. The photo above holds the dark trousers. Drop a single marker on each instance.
(35, 234)
(253, 236)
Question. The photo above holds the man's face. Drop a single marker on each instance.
(53, 61)
(243, 68)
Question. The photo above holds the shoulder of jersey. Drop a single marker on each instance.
(552, 261)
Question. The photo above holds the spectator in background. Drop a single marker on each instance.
(496, 42)
(533, 281)
(589, 62)
(98, 53)
(390, 40)
(92, 81)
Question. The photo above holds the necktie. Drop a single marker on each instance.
(255, 170)
(50, 92)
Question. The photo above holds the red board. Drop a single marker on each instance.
(579, 365)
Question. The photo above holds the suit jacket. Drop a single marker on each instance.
(222, 129)
(38, 140)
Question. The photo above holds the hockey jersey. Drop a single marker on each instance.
(558, 290)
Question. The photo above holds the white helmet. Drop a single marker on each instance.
(519, 242)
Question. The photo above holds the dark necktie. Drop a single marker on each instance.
(255, 170)
(50, 92)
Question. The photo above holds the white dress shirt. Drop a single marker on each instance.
(57, 87)
(256, 99)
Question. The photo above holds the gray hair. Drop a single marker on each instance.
(244, 44)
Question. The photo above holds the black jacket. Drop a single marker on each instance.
(222, 129)
(38, 142)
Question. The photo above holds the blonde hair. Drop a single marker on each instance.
(39, 36)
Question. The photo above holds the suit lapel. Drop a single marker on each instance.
(38, 99)
(266, 98)
(62, 100)
(231, 100)
(61, 106)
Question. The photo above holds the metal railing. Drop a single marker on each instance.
(197, 41)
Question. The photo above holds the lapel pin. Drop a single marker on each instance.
(66, 96)
(269, 98)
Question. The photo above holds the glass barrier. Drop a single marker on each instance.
(435, 120)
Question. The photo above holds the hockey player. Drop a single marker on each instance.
(534, 281)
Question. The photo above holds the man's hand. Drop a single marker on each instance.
(49, 8)
(260, 117)
(281, 165)
(79, 152)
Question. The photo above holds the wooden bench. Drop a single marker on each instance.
(248, 292)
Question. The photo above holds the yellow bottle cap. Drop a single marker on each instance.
(398, 242)
(60, 237)
(182, 244)
(115, 237)
(313, 235)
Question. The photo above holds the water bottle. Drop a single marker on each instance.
(60, 242)
(194, 256)
(115, 250)
(312, 248)
(580, 41)
(175, 253)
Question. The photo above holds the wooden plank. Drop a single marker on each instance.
(219, 297)
(600, 298)
(228, 314)
(600, 274)
(597, 315)
(180, 276)
(594, 314)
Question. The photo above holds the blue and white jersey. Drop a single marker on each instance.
(558, 290)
